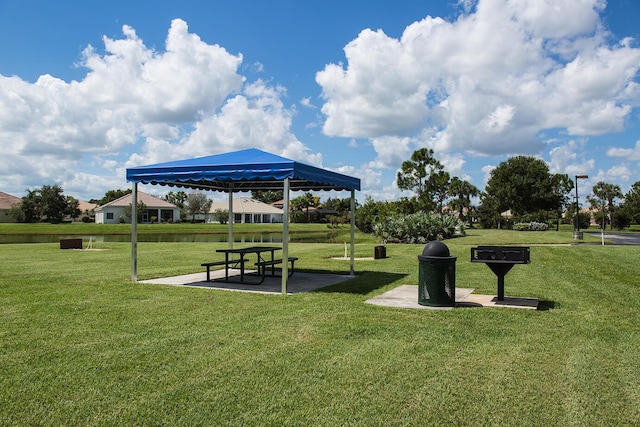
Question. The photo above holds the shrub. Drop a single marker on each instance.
(419, 227)
(531, 226)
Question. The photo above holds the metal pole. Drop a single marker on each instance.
(231, 216)
(577, 228)
(353, 227)
(134, 233)
(285, 236)
(603, 224)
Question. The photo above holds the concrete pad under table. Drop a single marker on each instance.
(298, 282)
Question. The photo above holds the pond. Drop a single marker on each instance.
(308, 237)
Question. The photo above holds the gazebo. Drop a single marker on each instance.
(240, 171)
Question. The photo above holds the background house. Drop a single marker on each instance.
(161, 210)
(7, 201)
(87, 211)
(248, 211)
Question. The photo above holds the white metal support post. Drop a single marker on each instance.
(353, 227)
(231, 216)
(285, 236)
(134, 233)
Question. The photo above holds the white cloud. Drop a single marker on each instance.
(486, 170)
(392, 151)
(306, 102)
(254, 118)
(184, 101)
(615, 174)
(627, 153)
(548, 18)
(129, 92)
(452, 162)
(569, 158)
(488, 83)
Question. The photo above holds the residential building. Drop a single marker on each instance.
(87, 211)
(156, 210)
(7, 201)
(248, 211)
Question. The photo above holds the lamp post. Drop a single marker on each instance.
(576, 233)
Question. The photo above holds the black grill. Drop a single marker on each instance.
(500, 260)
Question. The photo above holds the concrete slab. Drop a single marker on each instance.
(406, 296)
(299, 282)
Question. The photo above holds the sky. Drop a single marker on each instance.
(89, 89)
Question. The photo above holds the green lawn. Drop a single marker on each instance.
(82, 345)
(185, 227)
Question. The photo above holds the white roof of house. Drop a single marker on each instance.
(149, 201)
(246, 205)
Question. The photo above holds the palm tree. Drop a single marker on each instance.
(304, 202)
(462, 191)
(605, 195)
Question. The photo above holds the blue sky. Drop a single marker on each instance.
(88, 89)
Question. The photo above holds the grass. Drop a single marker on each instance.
(82, 345)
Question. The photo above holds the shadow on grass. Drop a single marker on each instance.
(546, 305)
(364, 282)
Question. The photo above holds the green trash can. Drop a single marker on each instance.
(437, 276)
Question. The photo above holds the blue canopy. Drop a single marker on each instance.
(243, 170)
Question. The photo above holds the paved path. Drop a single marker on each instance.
(613, 238)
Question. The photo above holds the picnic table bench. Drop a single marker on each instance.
(237, 257)
(262, 265)
(226, 263)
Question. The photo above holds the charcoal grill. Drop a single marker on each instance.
(501, 260)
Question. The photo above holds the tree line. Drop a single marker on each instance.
(45, 204)
(520, 189)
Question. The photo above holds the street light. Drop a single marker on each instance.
(576, 234)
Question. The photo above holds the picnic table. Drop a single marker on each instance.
(238, 257)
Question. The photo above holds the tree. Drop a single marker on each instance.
(584, 218)
(421, 175)
(47, 203)
(127, 212)
(367, 214)
(267, 197)
(523, 185)
(176, 198)
(73, 208)
(30, 207)
(197, 203)
(605, 195)
(631, 204)
(221, 215)
(462, 191)
(303, 203)
(342, 206)
(622, 219)
(562, 186)
(110, 196)
(489, 214)
(439, 183)
(54, 204)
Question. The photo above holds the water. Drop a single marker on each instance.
(313, 237)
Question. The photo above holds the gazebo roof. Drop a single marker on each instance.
(244, 170)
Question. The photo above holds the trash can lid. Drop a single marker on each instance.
(436, 249)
